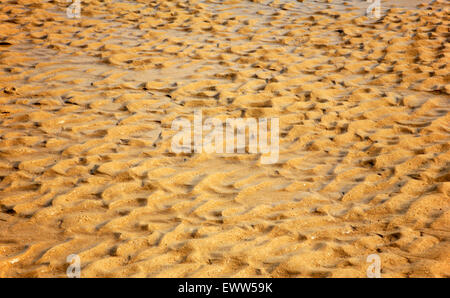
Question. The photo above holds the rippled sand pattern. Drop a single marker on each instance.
(86, 166)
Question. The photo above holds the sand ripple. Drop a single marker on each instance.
(86, 167)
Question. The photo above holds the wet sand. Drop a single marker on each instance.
(86, 166)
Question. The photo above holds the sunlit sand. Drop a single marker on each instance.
(86, 165)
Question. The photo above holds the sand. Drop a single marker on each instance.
(86, 167)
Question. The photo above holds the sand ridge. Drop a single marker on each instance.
(86, 165)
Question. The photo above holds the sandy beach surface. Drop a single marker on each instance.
(86, 112)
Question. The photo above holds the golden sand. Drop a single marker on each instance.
(86, 165)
